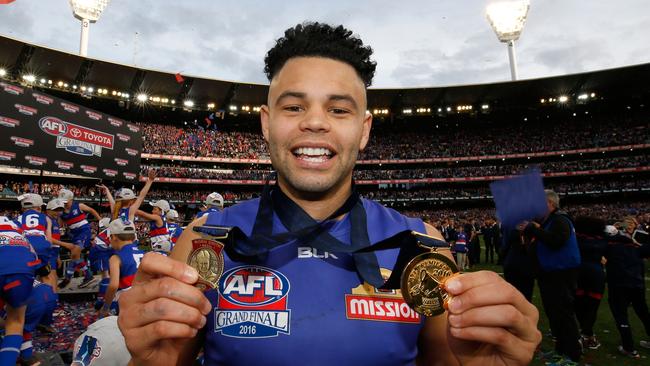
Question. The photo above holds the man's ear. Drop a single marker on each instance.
(264, 119)
(365, 133)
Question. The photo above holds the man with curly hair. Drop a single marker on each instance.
(286, 307)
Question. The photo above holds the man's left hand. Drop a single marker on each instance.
(490, 322)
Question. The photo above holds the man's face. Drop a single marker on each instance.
(315, 124)
(203, 262)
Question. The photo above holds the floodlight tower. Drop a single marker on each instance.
(507, 19)
(88, 11)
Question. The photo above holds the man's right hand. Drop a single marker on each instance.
(162, 312)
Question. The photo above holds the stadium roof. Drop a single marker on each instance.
(19, 58)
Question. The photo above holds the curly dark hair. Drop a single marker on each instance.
(321, 40)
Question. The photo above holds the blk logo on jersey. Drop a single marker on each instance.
(369, 303)
(252, 303)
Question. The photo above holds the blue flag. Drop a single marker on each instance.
(520, 198)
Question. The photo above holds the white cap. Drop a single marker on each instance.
(66, 195)
(121, 226)
(124, 194)
(102, 344)
(55, 203)
(161, 204)
(172, 214)
(611, 230)
(103, 222)
(30, 200)
(214, 199)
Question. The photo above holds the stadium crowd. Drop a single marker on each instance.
(386, 143)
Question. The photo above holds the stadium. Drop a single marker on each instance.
(88, 126)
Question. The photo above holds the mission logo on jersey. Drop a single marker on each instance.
(369, 303)
(252, 303)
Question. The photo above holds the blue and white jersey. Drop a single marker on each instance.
(300, 305)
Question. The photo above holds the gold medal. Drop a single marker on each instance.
(421, 282)
(207, 258)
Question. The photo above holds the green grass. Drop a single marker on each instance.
(604, 329)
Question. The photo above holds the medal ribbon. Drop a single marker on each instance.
(304, 228)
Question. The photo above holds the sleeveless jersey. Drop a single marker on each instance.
(207, 212)
(56, 231)
(16, 254)
(461, 243)
(306, 306)
(75, 219)
(175, 231)
(159, 235)
(33, 223)
(130, 257)
(34, 227)
(123, 213)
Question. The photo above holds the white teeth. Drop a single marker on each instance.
(312, 151)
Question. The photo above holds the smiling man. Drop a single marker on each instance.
(290, 306)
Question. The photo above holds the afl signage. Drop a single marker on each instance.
(252, 303)
(76, 139)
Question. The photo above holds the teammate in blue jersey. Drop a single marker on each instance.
(99, 256)
(159, 234)
(296, 305)
(126, 204)
(75, 219)
(54, 210)
(123, 263)
(17, 265)
(213, 203)
(174, 225)
(37, 229)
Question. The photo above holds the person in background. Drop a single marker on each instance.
(590, 232)
(75, 218)
(213, 203)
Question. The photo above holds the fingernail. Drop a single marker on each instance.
(190, 275)
(454, 331)
(207, 306)
(454, 304)
(203, 321)
(452, 285)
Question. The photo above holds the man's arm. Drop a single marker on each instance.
(433, 346)
(85, 208)
(114, 270)
(150, 217)
(163, 313)
(109, 196)
(557, 234)
(151, 177)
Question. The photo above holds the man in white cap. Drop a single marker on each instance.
(37, 228)
(213, 203)
(75, 218)
(158, 230)
(102, 344)
(174, 225)
(124, 262)
(100, 253)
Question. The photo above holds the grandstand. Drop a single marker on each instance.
(442, 146)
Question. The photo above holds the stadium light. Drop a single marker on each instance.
(563, 99)
(188, 103)
(3, 72)
(142, 98)
(507, 20)
(88, 11)
(30, 78)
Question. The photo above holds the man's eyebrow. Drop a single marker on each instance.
(343, 97)
(290, 94)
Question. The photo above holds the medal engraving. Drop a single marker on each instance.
(207, 258)
(421, 281)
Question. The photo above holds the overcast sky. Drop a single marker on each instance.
(416, 43)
